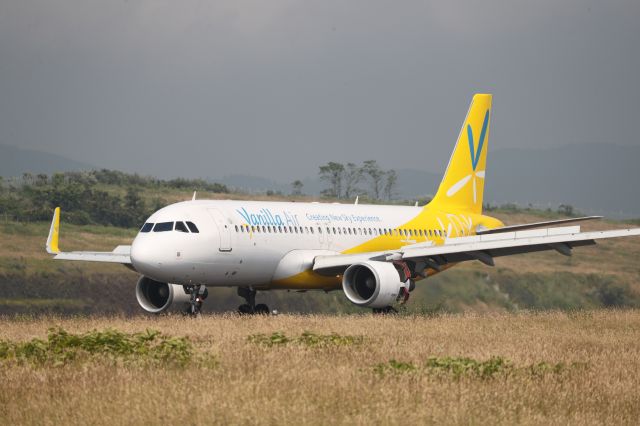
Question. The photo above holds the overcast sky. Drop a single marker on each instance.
(276, 87)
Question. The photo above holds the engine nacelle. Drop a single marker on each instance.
(156, 297)
(372, 284)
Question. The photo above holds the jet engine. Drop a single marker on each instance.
(156, 297)
(372, 284)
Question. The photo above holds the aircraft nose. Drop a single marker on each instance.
(145, 256)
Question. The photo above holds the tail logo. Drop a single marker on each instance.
(475, 158)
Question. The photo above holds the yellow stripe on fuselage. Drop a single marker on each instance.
(429, 219)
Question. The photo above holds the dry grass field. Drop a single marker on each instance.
(497, 368)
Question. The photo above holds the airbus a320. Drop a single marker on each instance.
(375, 254)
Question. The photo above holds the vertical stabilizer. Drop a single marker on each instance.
(462, 187)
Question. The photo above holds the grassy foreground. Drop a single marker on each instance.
(527, 368)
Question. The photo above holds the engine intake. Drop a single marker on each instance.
(372, 284)
(156, 297)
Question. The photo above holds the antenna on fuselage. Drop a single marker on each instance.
(357, 198)
(416, 204)
(194, 195)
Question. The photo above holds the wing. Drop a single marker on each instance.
(480, 247)
(121, 254)
(524, 226)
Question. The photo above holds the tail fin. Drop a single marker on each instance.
(462, 187)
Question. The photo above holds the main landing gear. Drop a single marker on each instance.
(249, 308)
(197, 294)
(387, 310)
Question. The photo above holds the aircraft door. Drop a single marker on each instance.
(224, 229)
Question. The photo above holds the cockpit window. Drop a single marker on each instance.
(181, 227)
(146, 227)
(193, 227)
(163, 227)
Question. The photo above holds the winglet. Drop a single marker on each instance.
(54, 232)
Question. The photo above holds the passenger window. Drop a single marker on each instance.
(192, 227)
(181, 227)
(163, 227)
(147, 227)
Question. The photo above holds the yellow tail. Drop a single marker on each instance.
(462, 187)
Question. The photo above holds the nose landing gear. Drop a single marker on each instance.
(250, 307)
(197, 295)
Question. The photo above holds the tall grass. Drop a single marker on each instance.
(579, 367)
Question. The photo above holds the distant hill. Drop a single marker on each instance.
(16, 161)
(598, 178)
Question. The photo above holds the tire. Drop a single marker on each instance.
(244, 309)
(262, 309)
(388, 310)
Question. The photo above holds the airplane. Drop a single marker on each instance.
(375, 254)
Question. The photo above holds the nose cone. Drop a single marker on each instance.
(148, 257)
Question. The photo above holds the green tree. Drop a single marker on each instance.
(391, 180)
(566, 209)
(296, 187)
(376, 176)
(332, 173)
(352, 177)
(135, 208)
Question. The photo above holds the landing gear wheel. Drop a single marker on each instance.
(262, 309)
(249, 295)
(244, 309)
(387, 310)
(197, 294)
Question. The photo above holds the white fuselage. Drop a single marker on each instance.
(262, 244)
